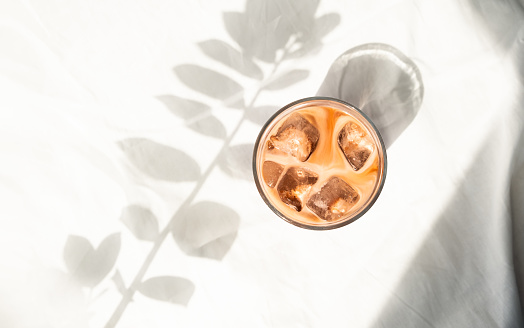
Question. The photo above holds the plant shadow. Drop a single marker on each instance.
(266, 32)
(206, 229)
(89, 266)
(267, 27)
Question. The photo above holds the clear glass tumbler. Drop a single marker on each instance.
(319, 163)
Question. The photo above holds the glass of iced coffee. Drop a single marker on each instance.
(319, 163)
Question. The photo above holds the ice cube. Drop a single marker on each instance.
(296, 137)
(271, 172)
(334, 200)
(294, 186)
(356, 145)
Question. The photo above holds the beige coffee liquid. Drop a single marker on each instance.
(327, 160)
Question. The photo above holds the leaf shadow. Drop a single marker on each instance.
(287, 79)
(183, 108)
(266, 27)
(211, 83)
(209, 126)
(231, 57)
(160, 161)
(268, 31)
(236, 161)
(141, 222)
(89, 266)
(169, 289)
(197, 115)
(206, 229)
(261, 114)
(118, 280)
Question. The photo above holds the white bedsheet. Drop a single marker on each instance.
(127, 197)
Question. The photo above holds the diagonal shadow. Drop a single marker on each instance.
(469, 272)
(464, 267)
(517, 216)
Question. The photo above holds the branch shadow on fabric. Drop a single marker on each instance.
(266, 27)
(269, 32)
(87, 265)
(206, 229)
(160, 161)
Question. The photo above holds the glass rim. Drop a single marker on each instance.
(377, 189)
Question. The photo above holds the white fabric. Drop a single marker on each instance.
(125, 175)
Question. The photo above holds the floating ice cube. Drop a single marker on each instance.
(356, 145)
(294, 185)
(334, 200)
(271, 172)
(296, 137)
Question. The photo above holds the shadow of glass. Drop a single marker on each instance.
(206, 229)
(381, 81)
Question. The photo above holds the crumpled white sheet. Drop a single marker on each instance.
(126, 134)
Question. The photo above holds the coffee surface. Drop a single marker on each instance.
(289, 168)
